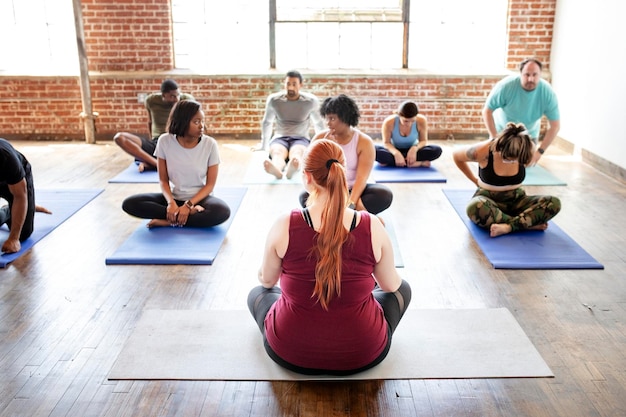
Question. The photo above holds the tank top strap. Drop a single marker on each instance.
(307, 217)
(353, 225)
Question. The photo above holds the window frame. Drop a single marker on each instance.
(404, 19)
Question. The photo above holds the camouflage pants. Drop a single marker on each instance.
(513, 207)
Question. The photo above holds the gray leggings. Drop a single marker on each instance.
(394, 304)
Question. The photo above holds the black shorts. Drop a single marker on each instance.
(149, 145)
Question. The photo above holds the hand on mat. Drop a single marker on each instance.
(11, 246)
(255, 148)
(14, 245)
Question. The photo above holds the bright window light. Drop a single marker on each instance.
(43, 37)
(444, 36)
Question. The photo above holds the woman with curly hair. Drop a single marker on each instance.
(342, 115)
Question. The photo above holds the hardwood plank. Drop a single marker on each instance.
(65, 315)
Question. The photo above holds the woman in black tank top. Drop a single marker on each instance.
(500, 204)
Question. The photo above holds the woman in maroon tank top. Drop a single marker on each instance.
(340, 297)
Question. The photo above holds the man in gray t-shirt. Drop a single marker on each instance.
(288, 114)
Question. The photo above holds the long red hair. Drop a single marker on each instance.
(325, 162)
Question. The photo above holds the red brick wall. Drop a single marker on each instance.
(128, 35)
(130, 51)
(530, 27)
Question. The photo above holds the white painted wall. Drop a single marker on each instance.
(588, 67)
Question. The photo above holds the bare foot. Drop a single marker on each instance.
(142, 167)
(292, 167)
(498, 229)
(418, 164)
(542, 226)
(157, 223)
(271, 169)
(40, 209)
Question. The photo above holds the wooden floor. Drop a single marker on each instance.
(65, 315)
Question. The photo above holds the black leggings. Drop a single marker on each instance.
(375, 198)
(154, 206)
(394, 304)
(426, 153)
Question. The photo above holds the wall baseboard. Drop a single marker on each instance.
(606, 167)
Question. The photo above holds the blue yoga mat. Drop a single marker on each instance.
(382, 173)
(62, 203)
(531, 249)
(178, 245)
(538, 175)
(132, 175)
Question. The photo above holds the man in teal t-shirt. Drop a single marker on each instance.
(524, 98)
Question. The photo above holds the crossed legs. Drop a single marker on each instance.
(509, 211)
(139, 148)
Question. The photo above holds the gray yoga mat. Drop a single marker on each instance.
(227, 345)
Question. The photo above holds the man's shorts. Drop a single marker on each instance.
(149, 145)
(289, 141)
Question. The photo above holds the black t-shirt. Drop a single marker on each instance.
(12, 164)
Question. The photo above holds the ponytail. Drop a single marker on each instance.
(325, 162)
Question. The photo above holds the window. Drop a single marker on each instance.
(252, 35)
(454, 34)
(221, 36)
(43, 37)
(354, 35)
(347, 11)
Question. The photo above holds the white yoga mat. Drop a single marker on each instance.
(391, 231)
(255, 172)
(227, 345)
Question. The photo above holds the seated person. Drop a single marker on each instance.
(340, 297)
(293, 111)
(187, 162)
(342, 116)
(500, 204)
(17, 188)
(159, 106)
(405, 139)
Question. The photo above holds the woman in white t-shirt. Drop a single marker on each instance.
(187, 163)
